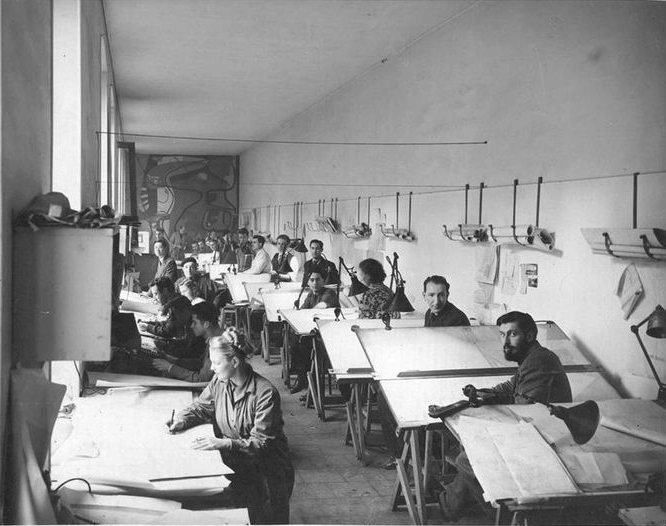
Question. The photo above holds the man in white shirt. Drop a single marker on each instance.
(261, 264)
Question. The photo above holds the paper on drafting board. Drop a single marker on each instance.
(629, 290)
(486, 263)
(421, 349)
(342, 345)
(218, 516)
(303, 321)
(274, 300)
(124, 380)
(595, 470)
(486, 461)
(409, 399)
(534, 466)
(634, 426)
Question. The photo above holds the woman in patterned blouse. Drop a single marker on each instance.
(377, 299)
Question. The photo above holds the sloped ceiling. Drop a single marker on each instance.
(239, 69)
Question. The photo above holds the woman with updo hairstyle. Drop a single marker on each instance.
(377, 299)
(244, 408)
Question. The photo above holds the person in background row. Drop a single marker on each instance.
(321, 264)
(176, 311)
(202, 247)
(204, 325)
(540, 377)
(180, 241)
(166, 267)
(227, 248)
(206, 288)
(377, 299)
(244, 250)
(261, 263)
(319, 297)
(245, 409)
(284, 264)
(188, 288)
(441, 312)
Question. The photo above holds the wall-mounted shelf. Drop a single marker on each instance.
(644, 243)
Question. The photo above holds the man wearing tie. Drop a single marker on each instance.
(284, 264)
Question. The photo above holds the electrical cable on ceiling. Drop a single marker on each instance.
(307, 143)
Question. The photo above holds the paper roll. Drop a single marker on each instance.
(541, 239)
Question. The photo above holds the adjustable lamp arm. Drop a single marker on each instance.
(634, 329)
(298, 301)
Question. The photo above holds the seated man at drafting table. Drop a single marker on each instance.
(285, 265)
(540, 377)
(249, 433)
(441, 312)
(319, 262)
(261, 263)
(206, 288)
(319, 297)
(204, 325)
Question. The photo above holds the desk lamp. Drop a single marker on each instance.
(355, 288)
(275, 278)
(300, 245)
(656, 329)
(400, 303)
(581, 420)
(297, 303)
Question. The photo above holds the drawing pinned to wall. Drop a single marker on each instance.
(198, 192)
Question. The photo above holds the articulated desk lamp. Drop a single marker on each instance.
(656, 329)
(400, 303)
(297, 303)
(581, 420)
(355, 288)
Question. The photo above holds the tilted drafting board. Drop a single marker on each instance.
(342, 345)
(235, 284)
(454, 350)
(255, 291)
(409, 398)
(303, 321)
(276, 299)
(131, 301)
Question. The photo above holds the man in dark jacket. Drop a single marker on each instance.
(320, 264)
(540, 377)
(441, 312)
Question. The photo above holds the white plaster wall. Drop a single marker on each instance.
(563, 90)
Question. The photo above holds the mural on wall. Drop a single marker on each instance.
(198, 192)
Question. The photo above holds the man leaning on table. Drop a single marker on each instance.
(540, 377)
(261, 263)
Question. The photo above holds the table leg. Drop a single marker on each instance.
(427, 458)
(402, 484)
(360, 427)
(417, 472)
(351, 434)
(284, 355)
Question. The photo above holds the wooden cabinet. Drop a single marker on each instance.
(62, 294)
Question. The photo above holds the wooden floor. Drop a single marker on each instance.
(332, 487)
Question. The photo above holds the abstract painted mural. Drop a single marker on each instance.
(199, 192)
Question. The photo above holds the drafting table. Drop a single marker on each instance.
(273, 300)
(302, 323)
(469, 351)
(133, 302)
(444, 353)
(350, 365)
(409, 398)
(119, 442)
(594, 486)
(239, 295)
(218, 270)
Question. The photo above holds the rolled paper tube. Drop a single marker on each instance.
(542, 239)
(522, 231)
(471, 232)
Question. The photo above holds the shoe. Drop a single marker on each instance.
(298, 386)
(449, 514)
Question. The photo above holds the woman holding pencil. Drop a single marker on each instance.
(244, 408)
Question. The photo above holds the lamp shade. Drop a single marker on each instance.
(356, 287)
(656, 327)
(400, 303)
(300, 246)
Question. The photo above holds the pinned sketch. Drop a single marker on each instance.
(529, 276)
(509, 272)
(486, 264)
(629, 290)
